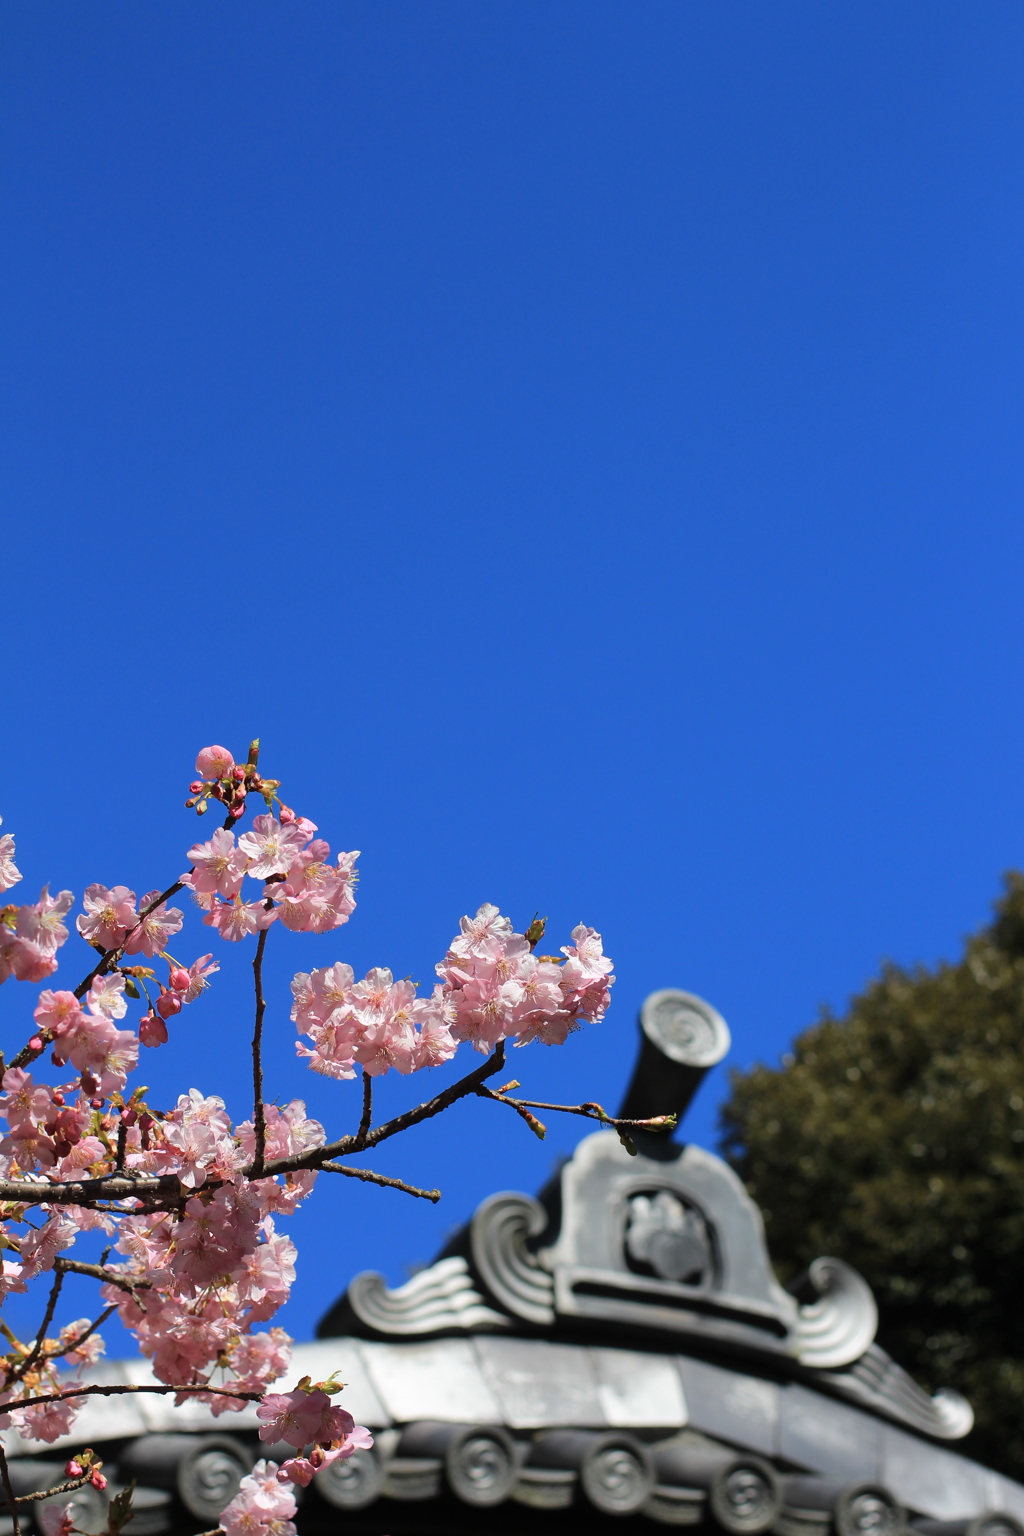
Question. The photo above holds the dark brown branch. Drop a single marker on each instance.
(121, 1391)
(5, 1475)
(369, 1177)
(367, 1115)
(22, 1370)
(98, 1272)
(259, 1119)
(317, 1156)
(166, 1189)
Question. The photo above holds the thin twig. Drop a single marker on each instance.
(120, 1391)
(369, 1177)
(367, 1115)
(588, 1111)
(5, 1475)
(122, 1146)
(259, 1121)
(52, 1493)
(22, 1370)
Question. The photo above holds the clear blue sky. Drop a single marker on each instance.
(583, 440)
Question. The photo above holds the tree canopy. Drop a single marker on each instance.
(893, 1138)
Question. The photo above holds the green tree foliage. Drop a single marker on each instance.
(894, 1138)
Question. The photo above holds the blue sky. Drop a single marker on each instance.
(582, 440)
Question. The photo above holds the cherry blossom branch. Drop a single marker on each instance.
(22, 1370)
(588, 1111)
(367, 1115)
(51, 1493)
(369, 1177)
(317, 1156)
(121, 1391)
(259, 1120)
(99, 1272)
(5, 1476)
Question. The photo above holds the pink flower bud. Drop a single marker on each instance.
(196, 787)
(73, 1469)
(286, 816)
(237, 809)
(36, 1043)
(239, 775)
(152, 1032)
(180, 979)
(98, 1481)
(168, 1004)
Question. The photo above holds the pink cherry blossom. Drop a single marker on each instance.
(269, 847)
(302, 1469)
(237, 919)
(262, 1505)
(214, 763)
(151, 935)
(9, 871)
(23, 1101)
(57, 1011)
(42, 923)
(198, 972)
(86, 1353)
(301, 1417)
(39, 1248)
(218, 866)
(106, 997)
(57, 1519)
(108, 916)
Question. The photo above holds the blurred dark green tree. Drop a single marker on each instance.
(894, 1138)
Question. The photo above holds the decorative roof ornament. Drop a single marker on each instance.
(661, 1248)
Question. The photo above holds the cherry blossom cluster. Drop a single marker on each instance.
(190, 1200)
(300, 884)
(493, 988)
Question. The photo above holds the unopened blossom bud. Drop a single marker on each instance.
(286, 816)
(168, 1004)
(180, 979)
(36, 1043)
(152, 1032)
(96, 1103)
(129, 1116)
(98, 1481)
(237, 809)
(58, 1097)
(238, 775)
(74, 1468)
(196, 787)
